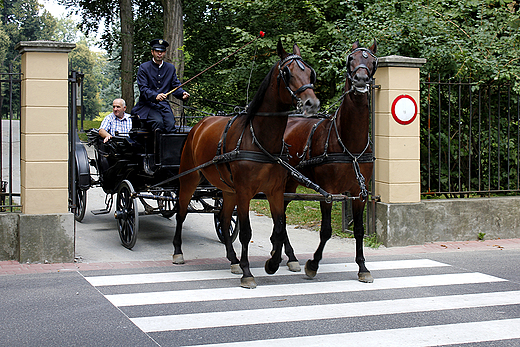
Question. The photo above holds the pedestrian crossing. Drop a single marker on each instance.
(417, 302)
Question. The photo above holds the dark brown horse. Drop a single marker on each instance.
(249, 146)
(335, 153)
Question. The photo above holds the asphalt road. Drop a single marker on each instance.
(453, 293)
(417, 299)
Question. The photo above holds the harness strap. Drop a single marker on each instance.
(292, 171)
(345, 157)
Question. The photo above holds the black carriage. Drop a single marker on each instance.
(139, 166)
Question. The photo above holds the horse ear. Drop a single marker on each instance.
(374, 47)
(355, 45)
(280, 50)
(296, 50)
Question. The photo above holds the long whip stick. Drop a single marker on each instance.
(261, 34)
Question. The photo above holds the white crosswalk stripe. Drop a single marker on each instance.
(389, 298)
(437, 335)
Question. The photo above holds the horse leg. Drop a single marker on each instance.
(226, 213)
(359, 232)
(311, 267)
(247, 280)
(188, 184)
(292, 262)
(279, 235)
(178, 257)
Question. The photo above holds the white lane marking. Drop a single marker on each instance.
(317, 312)
(165, 277)
(435, 335)
(284, 290)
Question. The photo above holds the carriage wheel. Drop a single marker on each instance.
(234, 227)
(127, 214)
(81, 204)
(167, 207)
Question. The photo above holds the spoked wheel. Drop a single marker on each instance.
(234, 227)
(167, 207)
(127, 214)
(81, 204)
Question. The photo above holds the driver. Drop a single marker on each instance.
(155, 78)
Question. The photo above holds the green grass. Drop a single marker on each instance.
(87, 125)
(305, 214)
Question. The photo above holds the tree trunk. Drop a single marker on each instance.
(127, 53)
(173, 33)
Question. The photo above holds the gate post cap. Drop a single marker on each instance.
(44, 46)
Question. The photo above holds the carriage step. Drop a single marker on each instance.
(101, 211)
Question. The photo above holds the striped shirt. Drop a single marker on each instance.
(112, 124)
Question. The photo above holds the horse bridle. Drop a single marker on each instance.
(350, 73)
(285, 75)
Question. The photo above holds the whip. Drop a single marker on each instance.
(260, 35)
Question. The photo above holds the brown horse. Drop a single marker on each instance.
(249, 146)
(335, 153)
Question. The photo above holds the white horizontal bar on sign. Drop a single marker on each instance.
(435, 335)
(284, 290)
(166, 277)
(317, 312)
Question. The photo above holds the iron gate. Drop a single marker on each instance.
(470, 138)
(10, 141)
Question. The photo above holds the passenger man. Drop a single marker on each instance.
(155, 78)
(116, 123)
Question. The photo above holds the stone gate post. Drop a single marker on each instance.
(397, 144)
(45, 225)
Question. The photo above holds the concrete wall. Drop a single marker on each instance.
(37, 238)
(447, 220)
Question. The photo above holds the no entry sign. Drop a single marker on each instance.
(404, 109)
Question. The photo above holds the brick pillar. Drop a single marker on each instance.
(396, 136)
(46, 227)
(44, 127)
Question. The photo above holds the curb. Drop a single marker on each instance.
(12, 267)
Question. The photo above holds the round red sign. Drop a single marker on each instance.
(404, 109)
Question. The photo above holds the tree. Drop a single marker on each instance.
(127, 52)
(83, 60)
(20, 21)
(93, 13)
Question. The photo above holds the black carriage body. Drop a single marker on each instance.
(143, 158)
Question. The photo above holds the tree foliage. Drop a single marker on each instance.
(83, 60)
(468, 38)
(20, 21)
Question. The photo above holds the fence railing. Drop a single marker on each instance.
(10, 141)
(470, 138)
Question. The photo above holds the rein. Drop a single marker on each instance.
(263, 157)
(345, 157)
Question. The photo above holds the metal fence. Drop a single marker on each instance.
(10, 141)
(470, 138)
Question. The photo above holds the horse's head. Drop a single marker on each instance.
(361, 66)
(299, 79)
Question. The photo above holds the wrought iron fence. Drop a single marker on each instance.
(10, 141)
(470, 138)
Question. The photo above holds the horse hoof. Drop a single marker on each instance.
(308, 271)
(294, 266)
(236, 269)
(268, 268)
(248, 282)
(365, 277)
(178, 259)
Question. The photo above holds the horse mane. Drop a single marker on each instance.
(258, 99)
